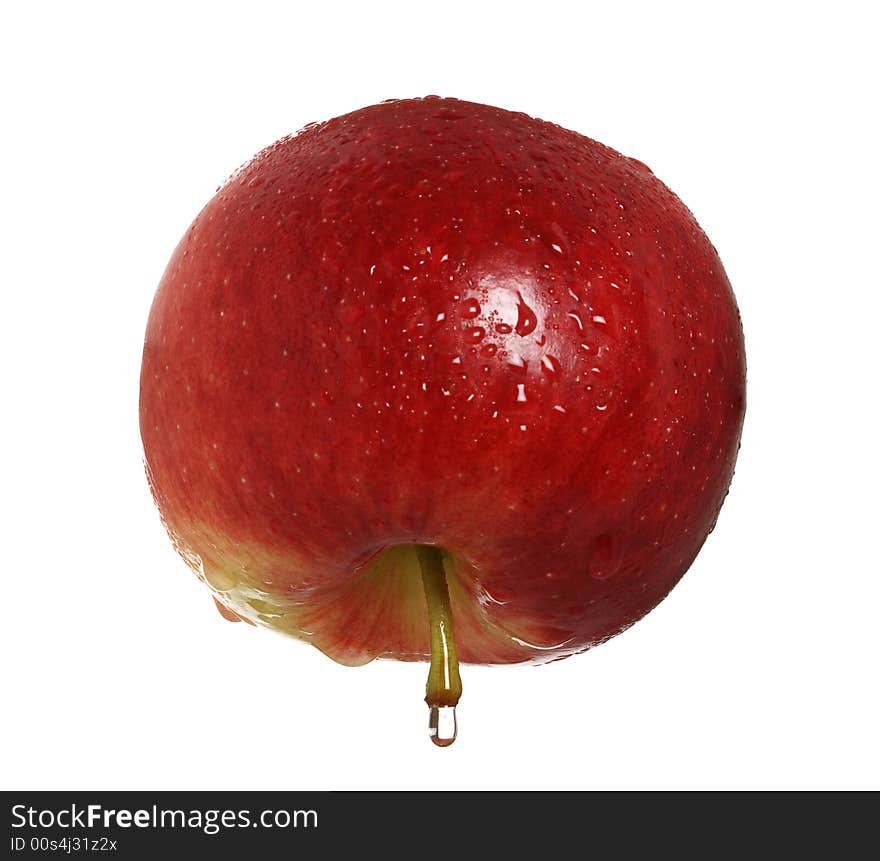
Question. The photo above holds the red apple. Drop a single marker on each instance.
(438, 332)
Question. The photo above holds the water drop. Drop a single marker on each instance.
(604, 561)
(503, 328)
(226, 613)
(550, 365)
(476, 333)
(578, 322)
(471, 309)
(489, 350)
(526, 320)
(442, 725)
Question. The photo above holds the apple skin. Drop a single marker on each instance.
(433, 321)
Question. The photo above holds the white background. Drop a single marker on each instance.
(760, 670)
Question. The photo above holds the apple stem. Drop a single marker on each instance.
(443, 689)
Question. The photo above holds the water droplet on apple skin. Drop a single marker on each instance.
(471, 309)
(226, 613)
(526, 319)
(550, 366)
(604, 561)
